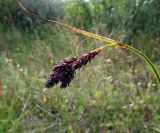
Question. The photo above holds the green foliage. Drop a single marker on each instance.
(79, 12)
(135, 22)
(100, 99)
(115, 93)
(12, 14)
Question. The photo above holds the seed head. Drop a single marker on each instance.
(63, 72)
(84, 59)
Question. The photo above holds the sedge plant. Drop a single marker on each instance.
(63, 72)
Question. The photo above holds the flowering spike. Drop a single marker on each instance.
(63, 72)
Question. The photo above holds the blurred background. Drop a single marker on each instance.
(116, 92)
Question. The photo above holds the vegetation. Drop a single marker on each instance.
(117, 92)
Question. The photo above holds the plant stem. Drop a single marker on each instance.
(83, 32)
(144, 57)
(105, 39)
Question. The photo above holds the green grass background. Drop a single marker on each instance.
(115, 93)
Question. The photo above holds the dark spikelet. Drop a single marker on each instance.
(84, 59)
(63, 72)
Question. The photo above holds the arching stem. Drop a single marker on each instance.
(144, 57)
(105, 39)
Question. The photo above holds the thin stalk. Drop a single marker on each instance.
(144, 57)
(103, 47)
(105, 39)
(86, 33)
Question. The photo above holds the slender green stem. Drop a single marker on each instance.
(144, 57)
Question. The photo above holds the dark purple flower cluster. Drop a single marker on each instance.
(63, 72)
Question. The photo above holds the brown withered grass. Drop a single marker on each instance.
(63, 72)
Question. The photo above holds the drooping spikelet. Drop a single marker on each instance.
(63, 72)
(84, 59)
